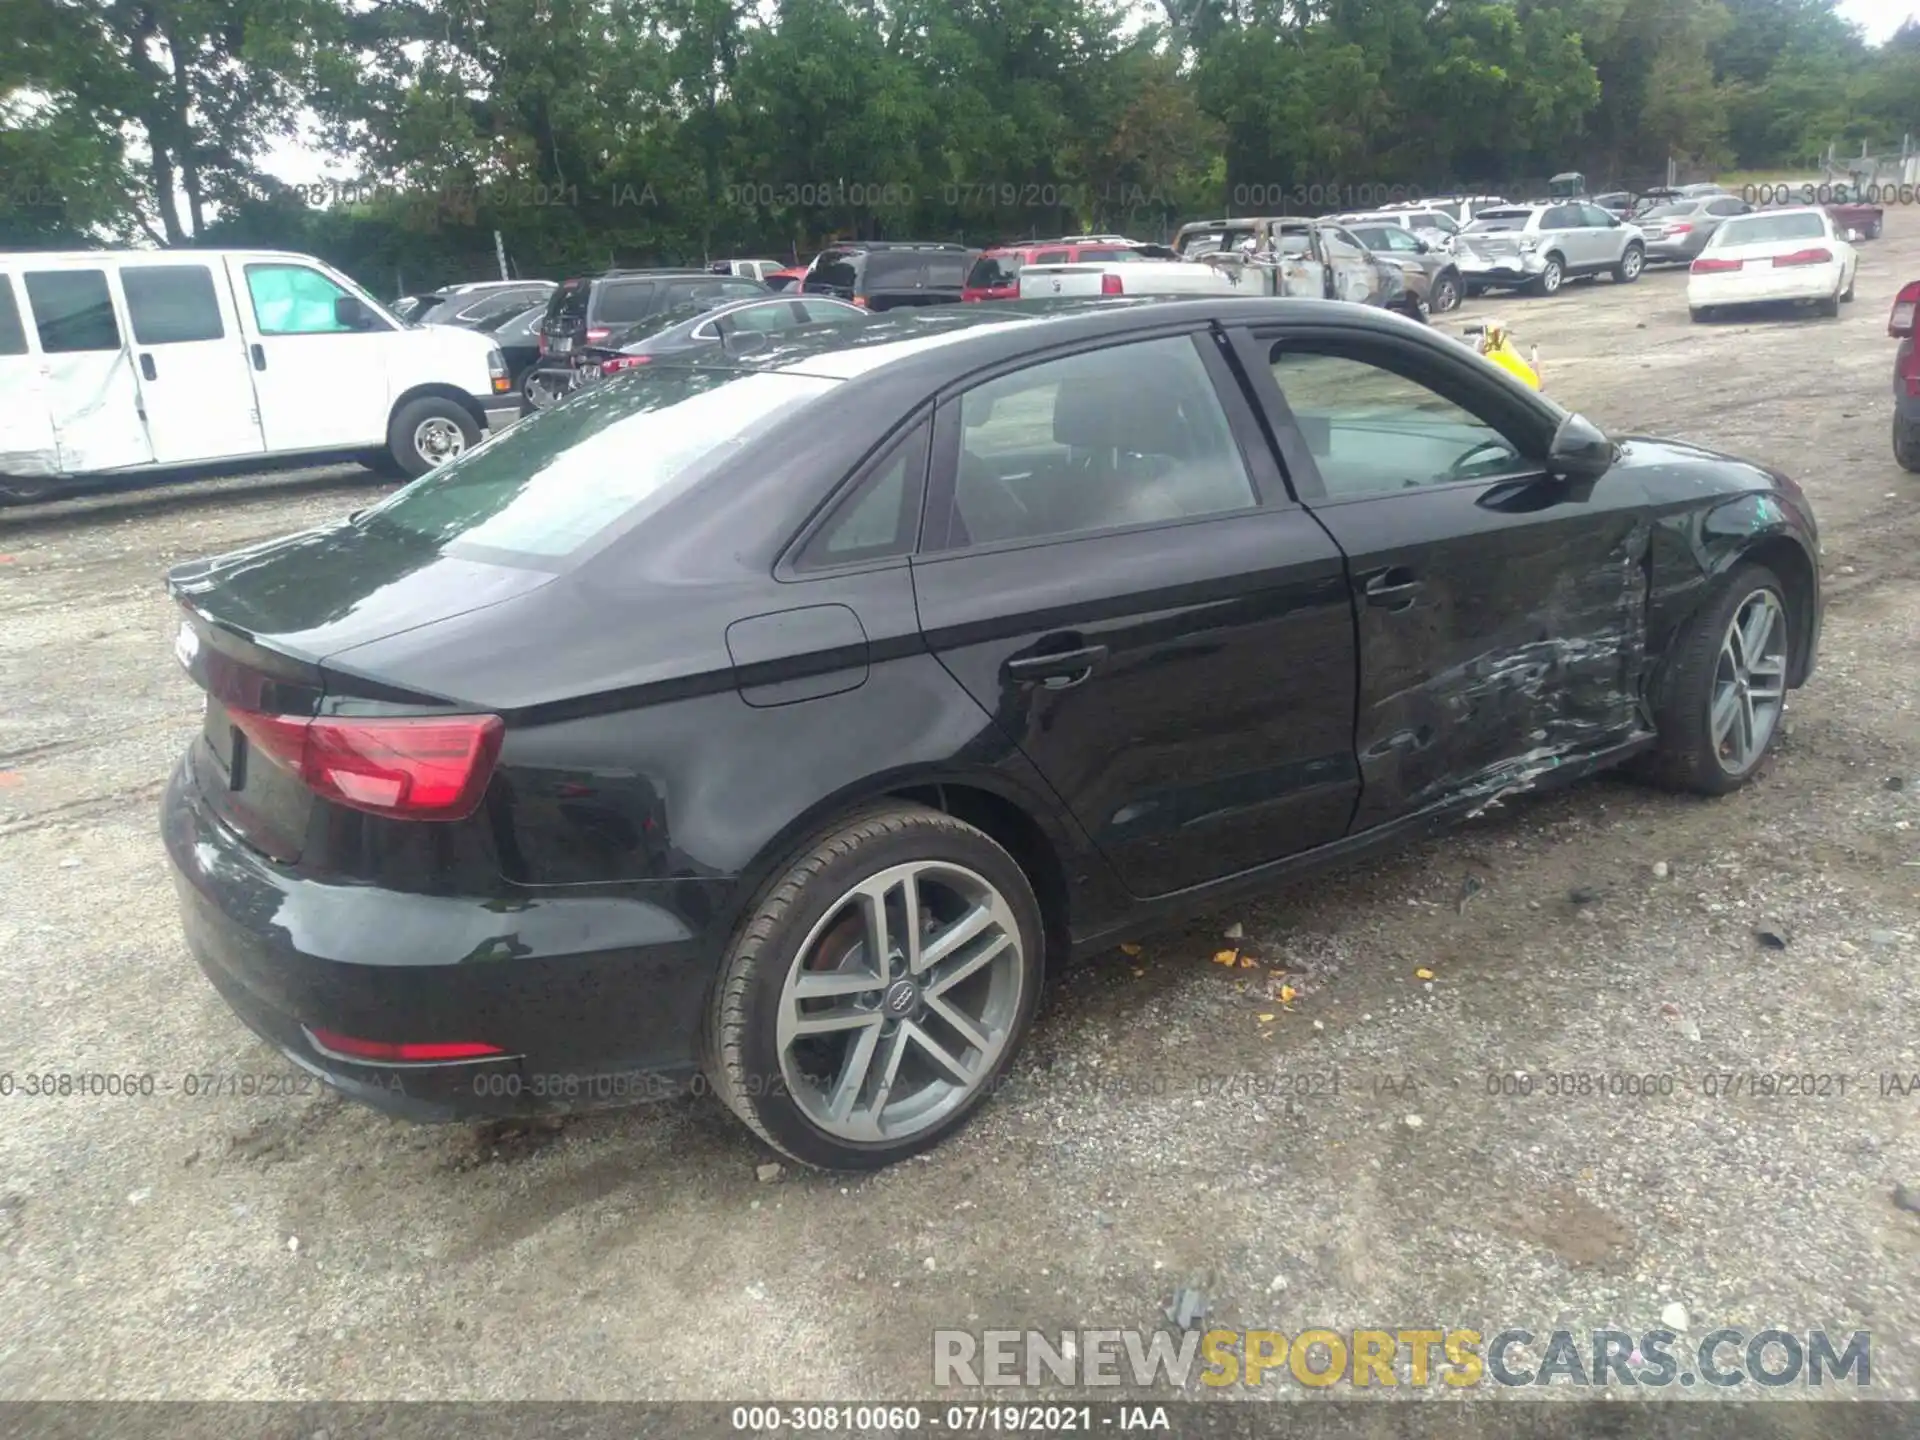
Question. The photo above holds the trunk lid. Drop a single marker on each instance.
(256, 628)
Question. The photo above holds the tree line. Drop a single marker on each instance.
(595, 132)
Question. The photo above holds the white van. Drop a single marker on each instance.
(118, 361)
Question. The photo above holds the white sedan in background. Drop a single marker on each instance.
(1774, 255)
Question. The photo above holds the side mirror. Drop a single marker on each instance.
(1422, 246)
(1580, 450)
(350, 314)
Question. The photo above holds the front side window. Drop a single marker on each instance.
(1128, 435)
(1597, 217)
(171, 304)
(621, 302)
(72, 311)
(1374, 431)
(13, 335)
(293, 300)
(761, 319)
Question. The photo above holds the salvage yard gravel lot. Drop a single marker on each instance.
(1172, 1122)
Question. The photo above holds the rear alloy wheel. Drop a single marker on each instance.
(1446, 293)
(1547, 282)
(1726, 687)
(877, 993)
(1631, 264)
(1906, 445)
(428, 432)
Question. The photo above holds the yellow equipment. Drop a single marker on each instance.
(1492, 341)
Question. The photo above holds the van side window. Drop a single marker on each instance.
(293, 300)
(13, 337)
(72, 310)
(171, 304)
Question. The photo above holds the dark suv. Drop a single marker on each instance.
(589, 308)
(888, 274)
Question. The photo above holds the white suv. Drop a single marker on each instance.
(1538, 247)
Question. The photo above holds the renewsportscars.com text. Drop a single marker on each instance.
(1416, 1357)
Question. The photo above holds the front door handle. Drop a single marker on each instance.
(146, 367)
(1394, 589)
(1058, 669)
(259, 356)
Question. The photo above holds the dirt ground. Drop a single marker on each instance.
(304, 1248)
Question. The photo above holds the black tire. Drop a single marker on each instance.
(1446, 292)
(1633, 262)
(1550, 279)
(741, 1052)
(1906, 445)
(1872, 232)
(27, 490)
(1846, 295)
(1829, 308)
(1686, 757)
(414, 420)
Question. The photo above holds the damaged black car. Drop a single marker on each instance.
(771, 723)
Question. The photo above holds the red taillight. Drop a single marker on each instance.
(1704, 266)
(1110, 284)
(1681, 229)
(1817, 255)
(417, 768)
(401, 1052)
(861, 301)
(594, 337)
(1900, 322)
(622, 362)
(540, 341)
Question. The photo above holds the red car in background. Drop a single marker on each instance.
(996, 274)
(784, 279)
(1906, 377)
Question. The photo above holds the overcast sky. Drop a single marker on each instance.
(298, 164)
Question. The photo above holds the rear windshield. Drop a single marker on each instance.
(990, 271)
(838, 268)
(562, 476)
(1206, 242)
(1667, 212)
(1758, 229)
(1488, 220)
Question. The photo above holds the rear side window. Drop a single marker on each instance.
(994, 272)
(880, 517)
(72, 311)
(1130, 435)
(13, 336)
(838, 268)
(171, 304)
(896, 272)
(1055, 257)
(623, 301)
(561, 477)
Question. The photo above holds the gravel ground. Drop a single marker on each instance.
(1161, 1130)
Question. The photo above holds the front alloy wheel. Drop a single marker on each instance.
(1724, 686)
(1750, 682)
(437, 440)
(877, 990)
(1446, 295)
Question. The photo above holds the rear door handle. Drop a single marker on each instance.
(146, 367)
(1058, 669)
(259, 357)
(1395, 589)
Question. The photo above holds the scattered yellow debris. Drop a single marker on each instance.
(1247, 962)
(1129, 949)
(1423, 974)
(1225, 957)
(1267, 1019)
(1288, 994)
(1138, 971)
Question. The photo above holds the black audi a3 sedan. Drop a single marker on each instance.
(778, 719)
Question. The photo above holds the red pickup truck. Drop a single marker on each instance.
(1906, 377)
(1849, 210)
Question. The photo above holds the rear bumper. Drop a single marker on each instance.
(595, 1001)
(1672, 252)
(1760, 286)
(1499, 270)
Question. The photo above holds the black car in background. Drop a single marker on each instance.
(518, 336)
(782, 718)
(883, 275)
(732, 326)
(472, 305)
(588, 309)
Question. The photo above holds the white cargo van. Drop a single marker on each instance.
(118, 361)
